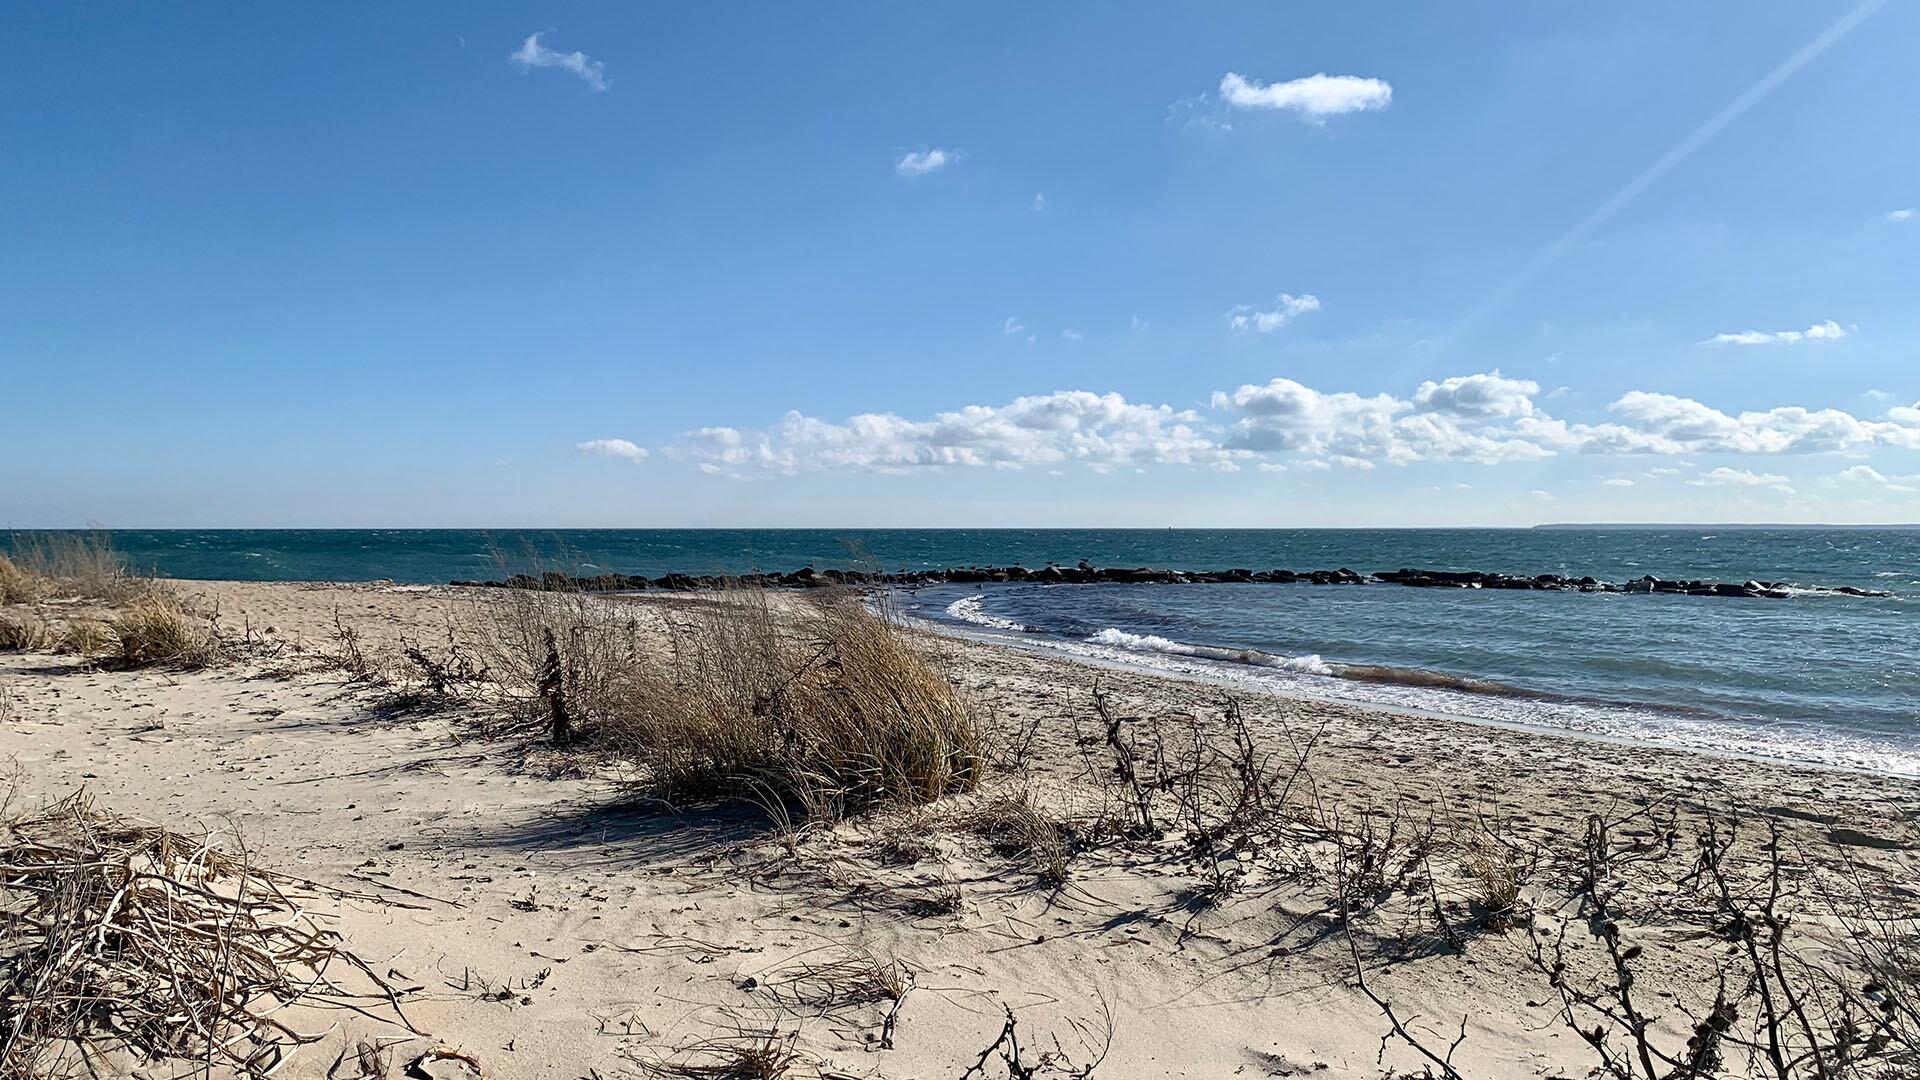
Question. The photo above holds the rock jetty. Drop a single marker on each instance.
(1085, 573)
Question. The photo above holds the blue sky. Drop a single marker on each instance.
(1063, 264)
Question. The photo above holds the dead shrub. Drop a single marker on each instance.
(118, 933)
(24, 632)
(593, 667)
(157, 629)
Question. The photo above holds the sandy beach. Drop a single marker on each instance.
(535, 911)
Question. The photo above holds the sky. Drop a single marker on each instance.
(982, 264)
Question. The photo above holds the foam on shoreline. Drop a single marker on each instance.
(1433, 693)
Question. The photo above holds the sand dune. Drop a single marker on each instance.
(549, 922)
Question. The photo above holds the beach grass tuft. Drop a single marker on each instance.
(1015, 824)
(158, 630)
(823, 704)
(24, 632)
(85, 637)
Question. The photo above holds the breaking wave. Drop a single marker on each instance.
(1310, 664)
(969, 609)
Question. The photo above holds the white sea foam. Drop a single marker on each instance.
(969, 609)
(1153, 643)
(1618, 722)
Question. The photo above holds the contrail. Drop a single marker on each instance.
(1665, 163)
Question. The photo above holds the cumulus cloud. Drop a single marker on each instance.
(1068, 426)
(1903, 214)
(1726, 477)
(1487, 418)
(532, 54)
(1652, 423)
(1314, 97)
(1491, 394)
(1359, 431)
(1286, 308)
(614, 448)
(1617, 481)
(922, 162)
(1820, 331)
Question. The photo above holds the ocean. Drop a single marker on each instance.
(1820, 678)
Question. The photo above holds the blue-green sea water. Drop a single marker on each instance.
(1820, 677)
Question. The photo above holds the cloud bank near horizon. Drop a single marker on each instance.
(1486, 418)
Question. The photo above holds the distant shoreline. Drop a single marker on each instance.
(1744, 527)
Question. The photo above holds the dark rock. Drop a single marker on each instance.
(1085, 572)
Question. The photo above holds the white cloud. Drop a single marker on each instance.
(1726, 477)
(1012, 326)
(1820, 331)
(1098, 430)
(1072, 335)
(1315, 96)
(1491, 394)
(922, 162)
(1869, 474)
(1039, 202)
(1544, 496)
(618, 448)
(1287, 307)
(1652, 423)
(532, 54)
(1617, 481)
(1903, 214)
(1486, 418)
(1349, 429)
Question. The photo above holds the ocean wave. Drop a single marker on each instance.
(970, 609)
(1484, 701)
(1808, 590)
(1310, 664)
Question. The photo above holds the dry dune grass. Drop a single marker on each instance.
(85, 637)
(828, 705)
(17, 586)
(68, 576)
(68, 564)
(24, 630)
(157, 629)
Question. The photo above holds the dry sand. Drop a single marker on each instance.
(556, 927)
